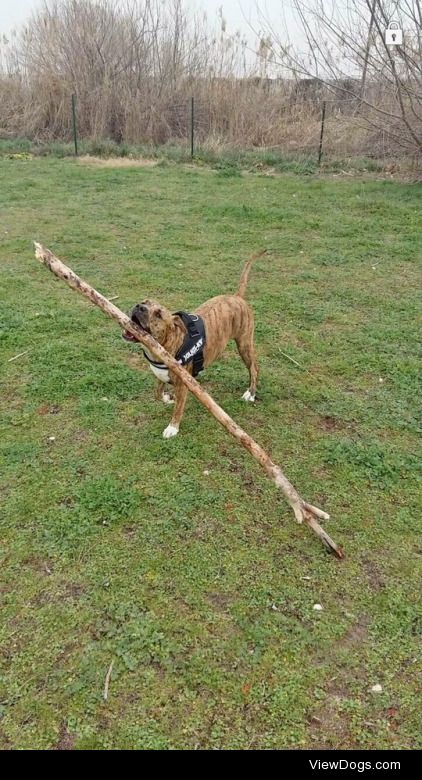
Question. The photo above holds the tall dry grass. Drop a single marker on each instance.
(134, 66)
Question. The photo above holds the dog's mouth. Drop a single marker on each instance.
(129, 336)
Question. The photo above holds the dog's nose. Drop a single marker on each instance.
(140, 308)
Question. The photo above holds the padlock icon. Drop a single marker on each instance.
(393, 34)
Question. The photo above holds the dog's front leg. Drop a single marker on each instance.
(163, 394)
(181, 394)
(159, 389)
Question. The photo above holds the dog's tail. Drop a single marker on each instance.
(245, 273)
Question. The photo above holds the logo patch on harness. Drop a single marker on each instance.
(186, 356)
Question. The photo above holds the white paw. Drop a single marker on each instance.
(247, 396)
(170, 431)
(167, 398)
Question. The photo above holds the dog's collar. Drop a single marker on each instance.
(192, 349)
(154, 363)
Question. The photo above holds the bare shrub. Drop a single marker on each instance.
(344, 40)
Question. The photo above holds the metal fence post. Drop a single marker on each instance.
(192, 117)
(75, 132)
(322, 133)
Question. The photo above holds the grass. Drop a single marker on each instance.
(199, 586)
(226, 160)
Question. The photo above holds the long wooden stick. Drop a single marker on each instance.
(303, 511)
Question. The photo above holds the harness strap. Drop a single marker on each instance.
(192, 349)
(154, 362)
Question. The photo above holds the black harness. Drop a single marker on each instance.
(192, 349)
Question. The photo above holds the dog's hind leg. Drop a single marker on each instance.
(246, 349)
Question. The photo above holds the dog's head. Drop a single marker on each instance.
(155, 319)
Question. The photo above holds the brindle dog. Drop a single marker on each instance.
(225, 317)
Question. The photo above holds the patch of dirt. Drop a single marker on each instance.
(129, 531)
(356, 635)
(373, 574)
(321, 472)
(80, 435)
(117, 162)
(46, 409)
(331, 423)
(5, 743)
(9, 651)
(205, 529)
(38, 564)
(250, 486)
(74, 590)
(233, 467)
(71, 591)
(17, 631)
(66, 740)
(139, 420)
(219, 600)
(67, 651)
(329, 727)
(247, 480)
(67, 501)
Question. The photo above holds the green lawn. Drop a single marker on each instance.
(199, 587)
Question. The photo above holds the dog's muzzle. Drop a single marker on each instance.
(138, 315)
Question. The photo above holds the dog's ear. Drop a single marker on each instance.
(179, 324)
